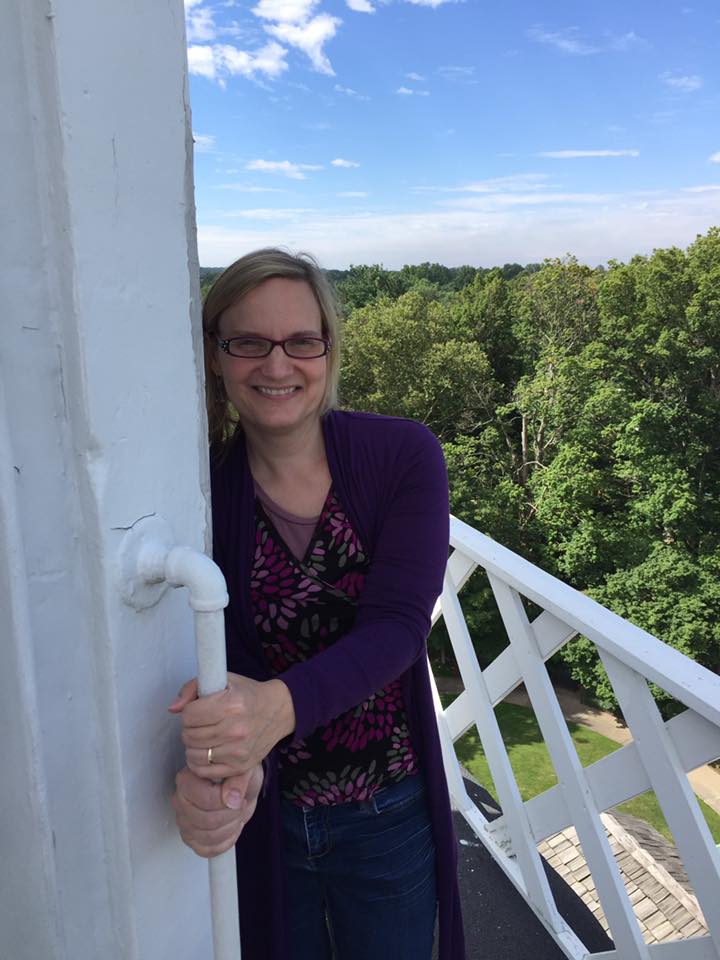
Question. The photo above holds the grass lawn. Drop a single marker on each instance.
(535, 773)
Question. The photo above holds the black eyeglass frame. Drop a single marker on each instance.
(225, 347)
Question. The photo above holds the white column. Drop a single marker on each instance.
(100, 425)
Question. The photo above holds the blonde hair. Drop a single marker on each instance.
(232, 285)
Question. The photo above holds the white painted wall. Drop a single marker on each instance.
(100, 425)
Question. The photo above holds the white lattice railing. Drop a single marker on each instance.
(657, 758)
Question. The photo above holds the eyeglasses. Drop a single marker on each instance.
(252, 348)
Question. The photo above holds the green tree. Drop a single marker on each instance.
(672, 595)
(483, 310)
(578, 410)
(364, 284)
(401, 358)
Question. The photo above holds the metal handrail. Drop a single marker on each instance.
(150, 562)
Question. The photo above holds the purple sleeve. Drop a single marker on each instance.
(405, 578)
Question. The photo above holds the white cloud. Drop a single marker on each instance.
(285, 11)
(222, 60)
(233, 60)
(519, 182)
(685, 84)
(627, 41)
(514, 183)
(201, 62)
(309, 37)
(358, 194)
(249, 188)
(230, 30)
(269, 213)
(570, 40)
(204, 142)
(705, 188)
(339, 162)
(270, 60)
(292, 170)
(293, 23)
(499, 200)
(407, 92)
(575, 154)
(349, 92)
(458, 74)
(416, 77)
(622, 226)
(715, 158)
(430, 3)
(360, 6)
(199, 23)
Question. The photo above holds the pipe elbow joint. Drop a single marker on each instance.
(206, 585)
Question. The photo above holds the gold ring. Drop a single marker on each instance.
(210, 757)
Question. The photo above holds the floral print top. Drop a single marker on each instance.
(301, 607)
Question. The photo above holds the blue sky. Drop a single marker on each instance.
(461, 132)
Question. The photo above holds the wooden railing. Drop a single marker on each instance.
(657, 758)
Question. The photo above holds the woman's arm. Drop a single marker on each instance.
(405, 579)
(243, 723)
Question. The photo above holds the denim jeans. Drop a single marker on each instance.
(361, 877)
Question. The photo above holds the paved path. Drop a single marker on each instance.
(705, 781)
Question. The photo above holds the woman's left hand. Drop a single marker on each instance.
(228, 733)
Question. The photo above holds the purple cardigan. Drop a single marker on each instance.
(390, 477)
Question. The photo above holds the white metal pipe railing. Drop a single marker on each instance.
(658, 757)
(150, 562)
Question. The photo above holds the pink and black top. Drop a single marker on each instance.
(306, 579)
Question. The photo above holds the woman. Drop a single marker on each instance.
(332, 531)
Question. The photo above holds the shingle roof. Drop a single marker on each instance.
(499, 925)
(652, 872)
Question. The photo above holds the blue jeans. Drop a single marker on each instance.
(361, 877)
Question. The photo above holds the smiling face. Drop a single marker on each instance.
(274, 394)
